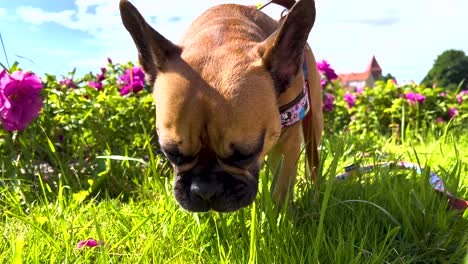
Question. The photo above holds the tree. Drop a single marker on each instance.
(387, 77)
(450, 68)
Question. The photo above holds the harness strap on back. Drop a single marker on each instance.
(297, 110)
(308, 130)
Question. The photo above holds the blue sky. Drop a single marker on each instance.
(405, 35)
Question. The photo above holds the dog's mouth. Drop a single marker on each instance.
(222, 192)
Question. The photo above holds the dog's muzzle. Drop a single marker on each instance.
(216, 190)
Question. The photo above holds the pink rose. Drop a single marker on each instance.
(20, 100)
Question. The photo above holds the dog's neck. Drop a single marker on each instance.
(293, 91)
(294, 111)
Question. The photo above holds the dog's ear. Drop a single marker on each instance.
(153, 49)
(282, 51)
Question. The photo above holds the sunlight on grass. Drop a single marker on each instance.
(384, 217)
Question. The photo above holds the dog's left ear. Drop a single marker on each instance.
(154, 50)
(282, 51)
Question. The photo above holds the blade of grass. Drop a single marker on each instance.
(337, 154)
(373, 204)
(18, 250)
(253, 235)
(26, 221)
(123, 158)
(4, 52)
(114, 246)
(103, 252)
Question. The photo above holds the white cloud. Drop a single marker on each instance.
(421, 30)
(406, 36)
(2, 12)
(101, 20)
(79, 19)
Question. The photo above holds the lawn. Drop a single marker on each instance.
(387, 216)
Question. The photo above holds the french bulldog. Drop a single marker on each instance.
(218, 94)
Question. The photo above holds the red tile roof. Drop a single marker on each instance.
(350, 77)
(373, 68)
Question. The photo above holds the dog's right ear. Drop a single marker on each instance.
(154, 50)
(282, 51)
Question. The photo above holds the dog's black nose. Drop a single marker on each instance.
(203, 190)
(220, 192)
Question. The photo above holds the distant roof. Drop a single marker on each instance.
(373, 68)
(350, 77)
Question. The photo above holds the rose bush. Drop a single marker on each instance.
(71, 120)
(109, 105)
(81, 118)
(390, 109)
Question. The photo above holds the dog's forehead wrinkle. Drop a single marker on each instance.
(231, 18)
(230, 64)
(221, 30)
(230, 33)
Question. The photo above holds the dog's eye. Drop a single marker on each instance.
(239, 159)
(176, 157)
(242, 156)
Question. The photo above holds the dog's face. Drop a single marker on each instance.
(216, 143)
(215, 122)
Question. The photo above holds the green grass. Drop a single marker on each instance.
(388, 216)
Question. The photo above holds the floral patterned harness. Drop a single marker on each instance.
(298, 108)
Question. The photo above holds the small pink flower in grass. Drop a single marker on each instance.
(132, 81)
(109, 60)
(96, 85)
(89, 243)
(20, 100)
(440, 120)
(350, 99)
(329, 102)
(452, 112)
(443, 94)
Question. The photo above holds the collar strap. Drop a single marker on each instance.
(298, 108)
